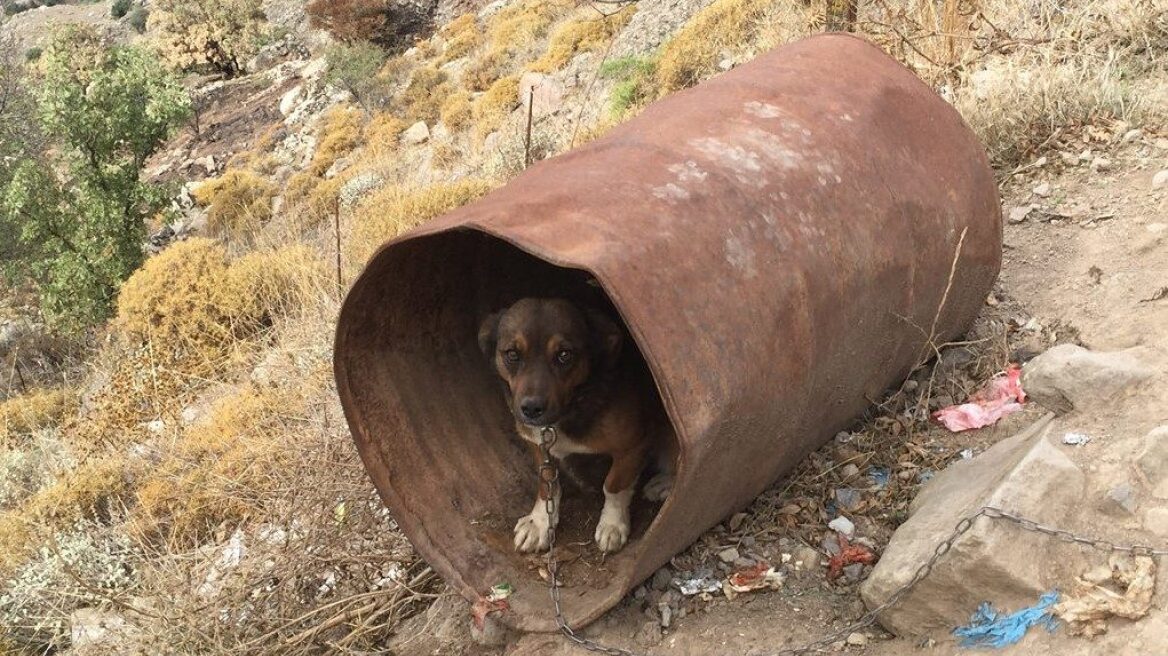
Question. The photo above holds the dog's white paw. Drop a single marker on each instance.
(531, 532)
(612, 533)
(659, 487)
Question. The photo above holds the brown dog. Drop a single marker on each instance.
(565, 367)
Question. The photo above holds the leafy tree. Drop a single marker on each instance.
(78, 208)
(120, 8)
(217, 33)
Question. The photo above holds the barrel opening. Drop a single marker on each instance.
(437, 438)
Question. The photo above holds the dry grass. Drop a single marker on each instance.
(393, 210)
(493, 107)
(423, 97)
(21, 415)
(219, 472)
(733, 30)
(239, 203)
(592, 33)
(462, 36)
(481, 73)
(457, 111)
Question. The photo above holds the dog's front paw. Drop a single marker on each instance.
(659, 487)
(611, 533)
(531, 532)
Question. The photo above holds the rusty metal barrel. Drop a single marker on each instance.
(779, 241)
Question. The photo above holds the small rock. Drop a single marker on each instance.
(1156, 228)
(1120, 501)
(288, 102)
(1042, 190)
(208, 163)
(1069, 159)
(1070, 377)
(1085, 156)
(830, 544)
(157, 426)
(1160, 180)
(666, 615)
(806, 559)
(853, 572)
(857, 639)
(1134, 134)
(545, 93)
(1161, 143)
(1100, 164)
(728, 555)
(736, 521)
(843, 437)
(1153, 461)
(1019, 214)
(1156, 521)
(911, 385)
(850, 471)
(847, 498)
(649, 634)
(662, 578)
(842, 525)
(416, 133)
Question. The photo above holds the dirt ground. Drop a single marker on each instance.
(1081, 266)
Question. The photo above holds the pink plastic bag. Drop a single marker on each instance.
(1002, 396)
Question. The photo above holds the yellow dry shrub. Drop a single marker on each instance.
(492, 107)
(515, 35)
(382, 133)
(457, 111)
(734, 27)
(590, 34)
(524, 22)
(37, 409)
(392, 210)
(182, 299)
(338, 136)
(221, 470)
(423, 97)
(462, 36)
(85, 491)
(239, 202)
(16, 543)
(192, 302)
(482, 72)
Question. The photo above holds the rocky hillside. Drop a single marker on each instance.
(180, 479)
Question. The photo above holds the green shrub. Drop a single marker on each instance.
(138, 19)
(354, 67)
(120, 8)
(32, 54)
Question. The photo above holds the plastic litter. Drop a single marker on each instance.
(990, 628)
(1076, 439)
(849, 554)
(1002, 396)
(1126, 593)
(879, 476)
(756, 577)
(693, 585)
(500, 591)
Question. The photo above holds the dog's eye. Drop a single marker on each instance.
(564, 356)
(511, 355)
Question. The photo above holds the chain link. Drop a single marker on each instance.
(549, 478)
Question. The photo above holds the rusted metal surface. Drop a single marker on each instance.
(778, 241)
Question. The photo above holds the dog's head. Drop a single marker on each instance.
(545, 349)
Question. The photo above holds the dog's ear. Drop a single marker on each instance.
(489, 334)
(607, 338)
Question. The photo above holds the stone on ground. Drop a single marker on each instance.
(994, 561)
(1069, 377)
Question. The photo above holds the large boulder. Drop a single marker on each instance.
(994, 560)
(1069, 377)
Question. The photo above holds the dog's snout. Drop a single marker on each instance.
(533, 408)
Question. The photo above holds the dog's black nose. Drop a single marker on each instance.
(532, 408)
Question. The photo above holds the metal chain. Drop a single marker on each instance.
(549, 477)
